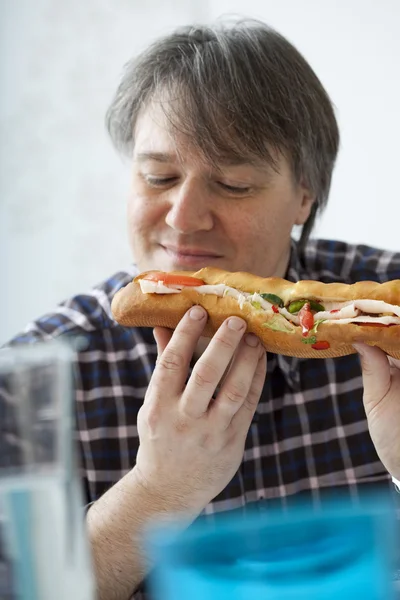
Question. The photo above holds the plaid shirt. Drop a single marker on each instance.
(309, 432)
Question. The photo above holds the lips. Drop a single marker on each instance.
(190, 256)
(190, 251)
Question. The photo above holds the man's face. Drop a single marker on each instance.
(183, 214)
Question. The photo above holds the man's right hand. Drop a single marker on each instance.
(192, 438)
(191, 444)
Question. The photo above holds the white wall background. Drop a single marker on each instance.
(62, 187)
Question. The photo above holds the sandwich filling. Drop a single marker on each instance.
(308, 313)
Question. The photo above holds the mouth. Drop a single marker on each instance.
(190, 256)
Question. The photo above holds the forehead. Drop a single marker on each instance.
(158, 137)
(153, 130)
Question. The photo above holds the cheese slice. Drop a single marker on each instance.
(368, 319)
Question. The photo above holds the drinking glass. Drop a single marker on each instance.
(43, 548)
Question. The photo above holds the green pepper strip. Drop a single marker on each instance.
(297, 305)
(273, 299)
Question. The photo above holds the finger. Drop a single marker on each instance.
(375, 373)
(236, 387)
(172, 364)
(394, 362)
(242, 419)
(162, 335)
(210, 368)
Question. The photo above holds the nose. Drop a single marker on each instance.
(190, 207)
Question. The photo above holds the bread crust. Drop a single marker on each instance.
(130, 307)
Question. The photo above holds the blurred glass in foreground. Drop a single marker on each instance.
(338, 550)
(43, 549)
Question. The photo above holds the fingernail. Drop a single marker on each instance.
(251, 340)
(196, 313)
(236, 324)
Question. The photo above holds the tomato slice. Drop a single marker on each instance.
(321, 345)
(173, 279)
(306, 318)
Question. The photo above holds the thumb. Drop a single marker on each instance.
(375, 373)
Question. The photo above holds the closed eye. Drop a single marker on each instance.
(160, 181)
(235, 189)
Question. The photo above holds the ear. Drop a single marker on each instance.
(307, 201)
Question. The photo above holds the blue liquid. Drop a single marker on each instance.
(340, 553)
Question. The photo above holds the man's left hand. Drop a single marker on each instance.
(381, 378)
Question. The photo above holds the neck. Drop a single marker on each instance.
(283, 263)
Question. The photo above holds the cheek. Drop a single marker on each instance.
(143, 214)
(251, 225)
(262, 230)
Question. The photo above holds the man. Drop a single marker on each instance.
(233, 141)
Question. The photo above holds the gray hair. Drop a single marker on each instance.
(241, 91)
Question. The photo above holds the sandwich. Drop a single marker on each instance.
(307, 319)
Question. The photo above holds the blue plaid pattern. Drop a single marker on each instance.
(309, 433)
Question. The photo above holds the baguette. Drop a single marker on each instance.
(277, 311)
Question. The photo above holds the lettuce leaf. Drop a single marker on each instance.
(256, 304)
(279, 323)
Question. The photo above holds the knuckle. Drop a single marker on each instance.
(204, 374)
(199, 380)
(150, 418)
(249, 406)
(225, 342)
(236, 392)
(184, 330)
(171, 360)
(251, 402)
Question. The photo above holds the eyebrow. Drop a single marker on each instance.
(162, 157)
(165, 157)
